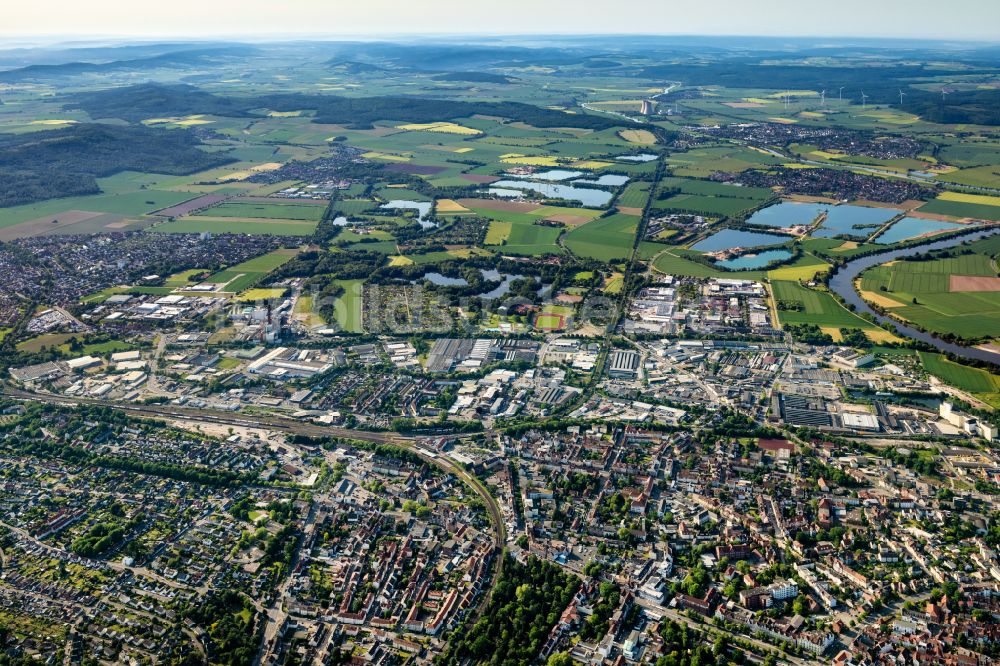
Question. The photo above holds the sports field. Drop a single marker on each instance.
(552, 317)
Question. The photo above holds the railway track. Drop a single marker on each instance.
(407, 443)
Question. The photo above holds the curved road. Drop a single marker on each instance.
(440, 460)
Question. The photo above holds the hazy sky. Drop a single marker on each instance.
(943, 19)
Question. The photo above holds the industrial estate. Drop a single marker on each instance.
(602, 352)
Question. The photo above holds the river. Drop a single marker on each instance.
(842, 282)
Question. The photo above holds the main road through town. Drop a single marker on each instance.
(412, 444)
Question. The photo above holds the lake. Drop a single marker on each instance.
(788, 214)
(507, 194)
(729, 238)
(912, 227)
(492, 275)
(750, 261)
(553, 174)
(858, 221)
(612, 180)
(423, 209)
(644, 157)
(443, 280)
(501, 290)
(586, 196)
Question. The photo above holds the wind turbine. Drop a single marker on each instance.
(901, 96)
(944, 93)
(841, 93)
(786, 100)
(822, 99)
(864, 100)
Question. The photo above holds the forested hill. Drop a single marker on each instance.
(137, 103)
(880, 83)
(67, 162)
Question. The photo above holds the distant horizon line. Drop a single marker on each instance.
(53, 39)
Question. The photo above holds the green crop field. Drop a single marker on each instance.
(309, 213)
(962, 209)
(605, 239)
(707, 205)
(673, 262)
(970, 154)
(834, 247)
(922, 290)
(710, 188)
(980, 176)
(197, 225)
(703, 162)
(347, 307)
(708, 198)
(353, 206)
(528, 238)
(818, 307)
(961, 377)
(244, 275)
(635, 195)
(123, 203)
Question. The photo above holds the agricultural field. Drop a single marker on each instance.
(223, 225)
(805, 269)
(635, 195)
(241, 277)
(675, 261)
(606, 239)
(712, 189)
(982, 384)
(703, 162)
(708, 198)
(980, 176)
(955, 295)
(277, 211)
(973, 208)
(706, 205)
(640, 137)
(800, 305)
(531, 239)
(255, 216)
(347, 307)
